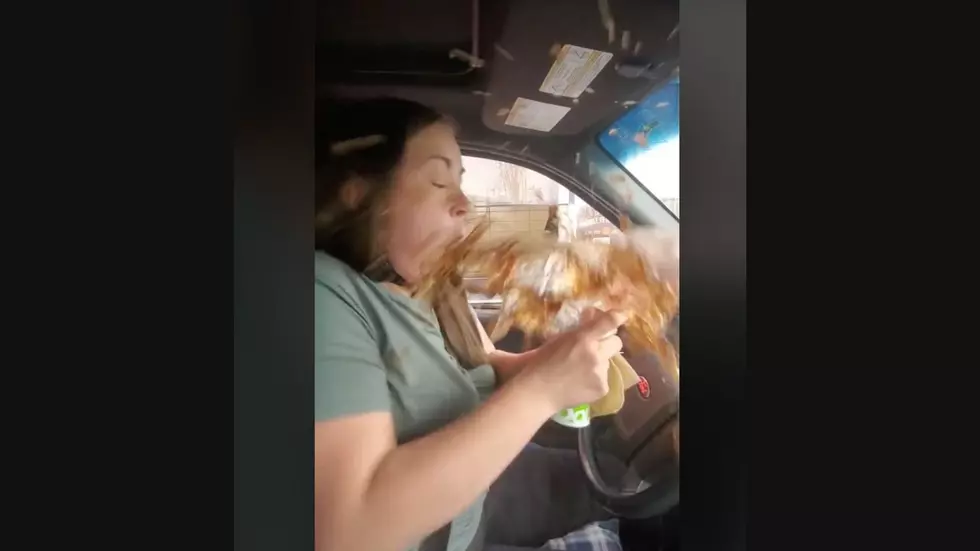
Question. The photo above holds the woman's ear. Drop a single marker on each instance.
(352, 193)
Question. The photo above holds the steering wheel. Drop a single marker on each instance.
(651, 483)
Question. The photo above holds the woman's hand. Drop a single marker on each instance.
(573, 368)
(507, 365)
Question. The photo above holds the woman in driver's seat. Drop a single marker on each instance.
(416, 413)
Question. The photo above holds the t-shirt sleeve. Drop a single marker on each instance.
(350, 375)
(484, 379)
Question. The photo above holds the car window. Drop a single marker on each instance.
(518, 200)
(645, 142)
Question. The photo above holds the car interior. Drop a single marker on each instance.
(573, 90)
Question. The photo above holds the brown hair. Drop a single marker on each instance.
(365, 140)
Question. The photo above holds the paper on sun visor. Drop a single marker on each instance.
(535, 115)
(573, 70)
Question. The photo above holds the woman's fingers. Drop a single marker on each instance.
(610, 346)
(600, 325)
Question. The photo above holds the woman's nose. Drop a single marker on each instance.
(461, 206)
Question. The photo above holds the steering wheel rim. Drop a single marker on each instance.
(656, 499)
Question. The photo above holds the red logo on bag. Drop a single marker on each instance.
(643, 386)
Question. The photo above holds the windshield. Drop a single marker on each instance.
(645, 142)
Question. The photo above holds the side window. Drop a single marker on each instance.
(517, 200)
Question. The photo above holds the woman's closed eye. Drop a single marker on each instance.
(440, 186)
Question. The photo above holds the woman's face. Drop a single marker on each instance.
(427, 208)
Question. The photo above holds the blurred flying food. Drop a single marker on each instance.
(546, 285)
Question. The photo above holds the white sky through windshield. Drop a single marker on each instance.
(658, 170)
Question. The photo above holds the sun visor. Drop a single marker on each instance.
(561, 66)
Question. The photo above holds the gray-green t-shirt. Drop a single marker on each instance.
(376, 350)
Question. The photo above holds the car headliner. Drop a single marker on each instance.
(374, 47)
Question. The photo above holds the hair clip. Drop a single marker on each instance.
(364, 142)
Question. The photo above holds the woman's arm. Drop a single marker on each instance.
(505, 364)
(508, 364)
(371, 494)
